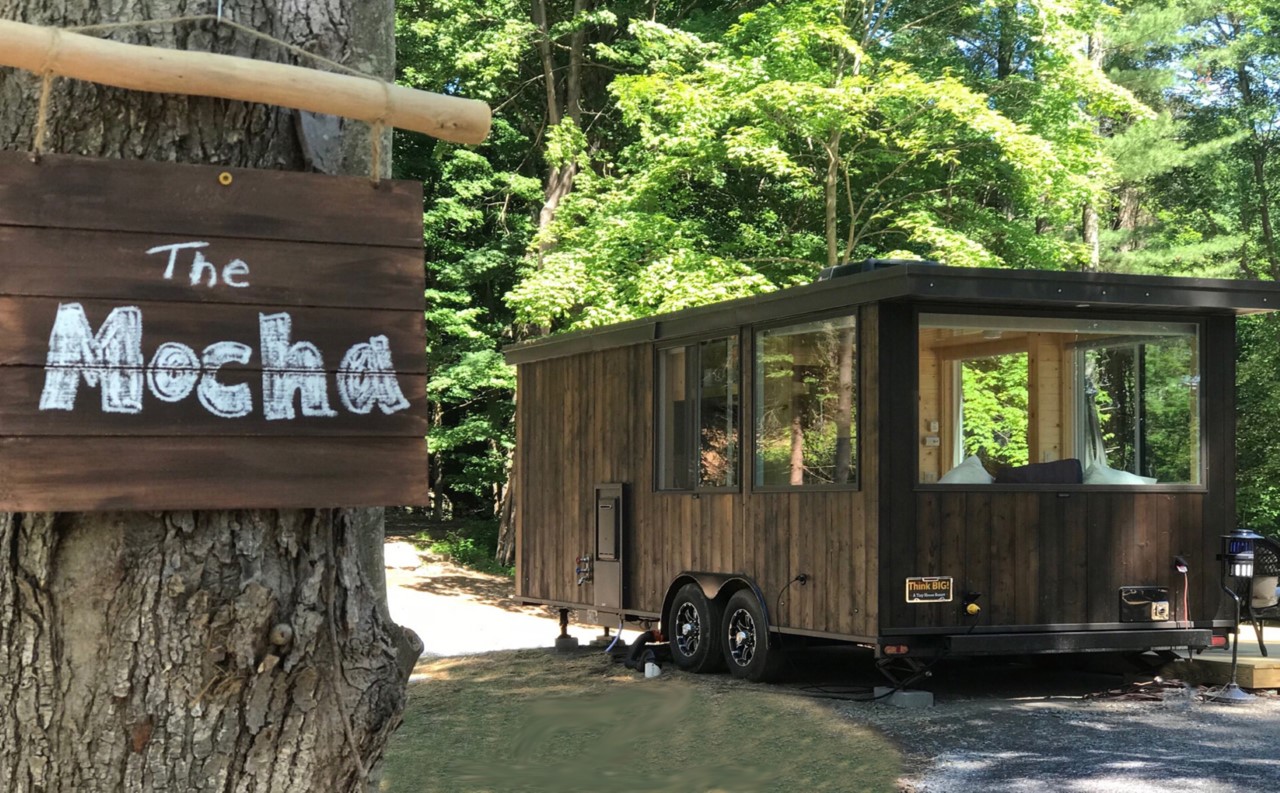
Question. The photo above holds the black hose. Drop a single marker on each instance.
(635, 658)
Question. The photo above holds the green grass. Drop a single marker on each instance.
(470, 544)
(532, 720)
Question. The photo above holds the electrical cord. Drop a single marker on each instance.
(616, 637)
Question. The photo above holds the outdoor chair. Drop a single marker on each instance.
(1261, 602)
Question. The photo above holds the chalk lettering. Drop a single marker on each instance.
(173, 254)
(173, 372)
(235, 268)
(111, 358)
(287, 369)
(234, 274)
(366, 378)
(223, 400)
(199, 265)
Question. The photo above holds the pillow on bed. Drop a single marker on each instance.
(969, 472)
(1057, 472)
(1102, 475)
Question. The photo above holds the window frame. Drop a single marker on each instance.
(1030, 312)
(693, 363)
(749, 366)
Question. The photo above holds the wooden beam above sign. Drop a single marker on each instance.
(67, 54)
(171, 338)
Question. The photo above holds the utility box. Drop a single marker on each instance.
(1144, 604)
(610, 522)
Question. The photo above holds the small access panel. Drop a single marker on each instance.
(609, 562)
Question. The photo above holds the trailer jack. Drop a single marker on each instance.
(902, 672)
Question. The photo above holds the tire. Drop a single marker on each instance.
(748, 651)
(695, 631)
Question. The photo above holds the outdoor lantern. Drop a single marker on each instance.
(1237, 552)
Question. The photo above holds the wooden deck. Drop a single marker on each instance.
(1254, 671)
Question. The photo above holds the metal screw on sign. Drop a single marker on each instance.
(225, 179)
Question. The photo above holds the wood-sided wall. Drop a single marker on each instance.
(588, 419)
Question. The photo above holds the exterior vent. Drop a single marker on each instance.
(867, 266)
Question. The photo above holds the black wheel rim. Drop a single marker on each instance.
(742, 637)
(688, 629)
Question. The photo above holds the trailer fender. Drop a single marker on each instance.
(716, 586)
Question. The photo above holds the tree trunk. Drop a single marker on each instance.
(210, 651)
(506, 552)
(1258, 158)
(560, 176)
(1089, 231)
(830, 188)
(1128, 214)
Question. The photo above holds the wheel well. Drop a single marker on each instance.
(716, 586)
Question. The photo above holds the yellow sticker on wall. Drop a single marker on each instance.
(929, 589)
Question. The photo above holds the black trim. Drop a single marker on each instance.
(1076, 641)
(1046, 289)
(899, 370)
(1062, 627)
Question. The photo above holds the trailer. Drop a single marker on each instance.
(920, 459)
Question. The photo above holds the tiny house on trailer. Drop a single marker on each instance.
(923, 459)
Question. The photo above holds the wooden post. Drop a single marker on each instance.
(51, 51)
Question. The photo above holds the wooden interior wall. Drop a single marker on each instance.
(1045, 558)
(934, 460)
(1049, 389)
(588, 419)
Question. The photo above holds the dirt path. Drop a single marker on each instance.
(461, 612)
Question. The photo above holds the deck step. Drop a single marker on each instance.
(1253, 671)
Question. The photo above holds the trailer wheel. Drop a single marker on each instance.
(695, 631)
(746, 648)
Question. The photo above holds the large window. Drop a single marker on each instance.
(805, 410)
(698, 415)
(1120, 397)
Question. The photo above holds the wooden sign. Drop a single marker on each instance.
(186, 337)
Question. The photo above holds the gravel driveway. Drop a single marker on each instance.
(1005, 727)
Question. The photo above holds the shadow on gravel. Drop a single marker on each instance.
(1009, 726)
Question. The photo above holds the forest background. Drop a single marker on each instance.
(652, 156)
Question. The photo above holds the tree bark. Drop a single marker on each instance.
(211, 651)
(560, 176)
(506, 551)
(1258, 158)
(1089, 232)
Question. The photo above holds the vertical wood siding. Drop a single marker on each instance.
(586, 419)
(1046, 558)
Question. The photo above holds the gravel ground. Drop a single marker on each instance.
(994, 726)
(1005, 727)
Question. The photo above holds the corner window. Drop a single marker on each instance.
(1108, 402)
(805, 410)
(699, 411)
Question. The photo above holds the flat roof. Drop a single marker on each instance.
(926, 283)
